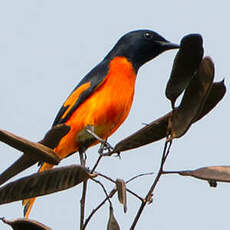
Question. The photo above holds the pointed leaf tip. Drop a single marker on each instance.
(54, 135)
(112, 223)
(25, 224)
(185, 65)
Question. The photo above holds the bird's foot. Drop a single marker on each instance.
(105, 146)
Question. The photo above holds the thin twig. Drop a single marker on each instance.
(167, 152)
(134, 194)
(112, 194)
(140, 175)
(171, 172)
(98, 207)
(149, 194)
(106, 177)
(96, 164)
(82, 216)
(103, 187)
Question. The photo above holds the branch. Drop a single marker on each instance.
(140, 175)
(149, 194)
(134, 194)
(96, 164)
(103, 187)
(112, 194)
(82, 202)
(106, 177)
(98, 207)
(171, 172)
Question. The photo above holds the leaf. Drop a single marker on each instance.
(35, 150)
(152, 132)
(121, 191)
(112, 223)
(211, 174)
(185, 65)
(216, 94)
(194, 99)
(25, 224)
(43, 183)
(157, 129)
(24, 162)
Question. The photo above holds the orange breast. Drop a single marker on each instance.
(105, 109)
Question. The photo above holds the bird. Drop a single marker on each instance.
(101, 102)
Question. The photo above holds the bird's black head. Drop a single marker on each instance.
(140, 46)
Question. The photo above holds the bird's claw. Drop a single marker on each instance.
(105, 146)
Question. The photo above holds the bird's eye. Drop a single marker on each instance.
(148, 36)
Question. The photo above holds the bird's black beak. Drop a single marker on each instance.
(166, 45)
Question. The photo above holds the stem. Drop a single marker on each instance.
(98, 207)
(96, 164)
(106, 177)
(140, 175)
(103, 187)
(82, 202)
(148, 195)
(134, 194)
(171, 172)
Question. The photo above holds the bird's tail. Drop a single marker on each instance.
(28, 203)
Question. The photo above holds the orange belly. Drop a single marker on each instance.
(105, 109)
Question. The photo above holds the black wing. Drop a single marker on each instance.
(95, 77)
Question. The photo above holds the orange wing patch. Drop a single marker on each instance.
(71, 100)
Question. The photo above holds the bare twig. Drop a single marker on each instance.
(82, 202)
(96, 164)
(144, 201)
(170, 172)
(140, 175)
(134, 194)
(103, 187)
(106, 177)
(98, 207)
(149, 194)
(112, 194)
